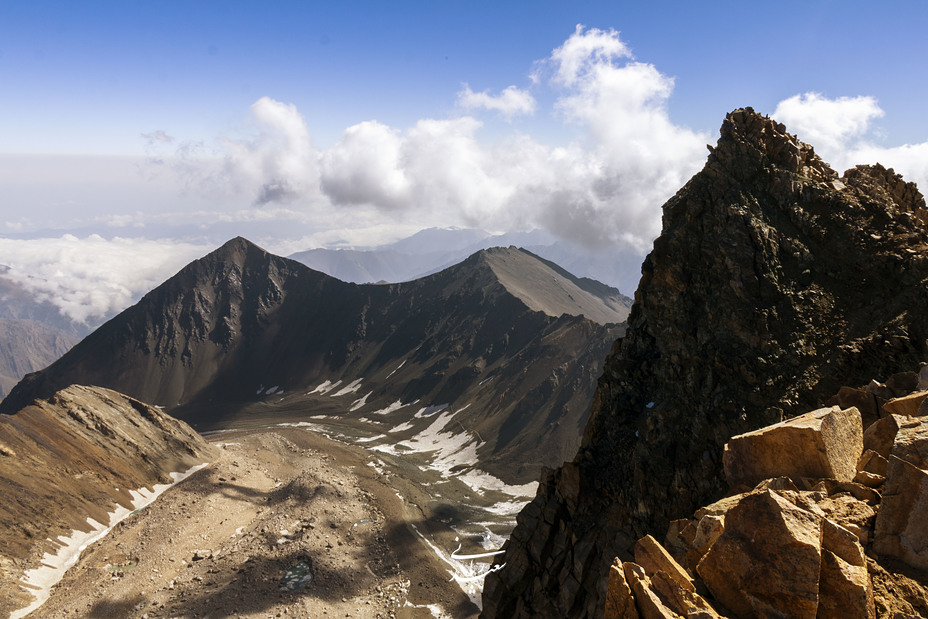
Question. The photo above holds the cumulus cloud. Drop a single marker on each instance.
(91, 278)
(511, 102)
(842, 133)
(606, 185)
(828, 124)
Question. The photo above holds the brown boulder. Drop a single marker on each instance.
(879, 436)
(823, 443)
(845, 591)
(767, 561)
(911, 442)
(680, 599)
(901, 529)
(873, 463)
(862, 400)
(907, 405)
(650, 555)
(649, 604)
(620, 603)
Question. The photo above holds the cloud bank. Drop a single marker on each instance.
(605, 186)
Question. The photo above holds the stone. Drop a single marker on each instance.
(767, 561)
(650, 555)
(911, 441)
(851, 513)
(620, 603)
(681, 600)
(823, 443)
(845, 591)
(720, 507)
(902, 383)
(708, 530)
(843, 543)
(879, 436)
(907, 405)
(872, 462)
(870, 480)
(649, 604)
(901, 529)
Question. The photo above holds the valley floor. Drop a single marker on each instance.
(286, 523)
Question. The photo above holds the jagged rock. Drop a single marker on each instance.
(872, 462)
(749, 311)
(649, 604)
(880, 436)
(650, 555)
(845, 591)
(707, 532)
(901, 529)
(907, 405)
(767, 561)
(911, 441)
(620, 603)
(851, 513)
(681, 600)
(868, 479)
(823, 443)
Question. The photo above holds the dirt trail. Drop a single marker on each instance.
(221, 543)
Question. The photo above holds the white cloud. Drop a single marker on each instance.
(511, 102)
(585, 52)
(365, 167)
(91, 278)
(828, 124)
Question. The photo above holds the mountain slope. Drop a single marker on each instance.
(77, 455)
(224, 337)
(773, 283)
(27, 346)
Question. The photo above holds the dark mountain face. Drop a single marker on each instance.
(773, 283)
(490, 335)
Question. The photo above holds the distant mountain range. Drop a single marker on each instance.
(511, 342)
(428, 251)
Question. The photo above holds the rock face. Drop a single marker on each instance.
(510, 343)
(76, 455)
(774, 282)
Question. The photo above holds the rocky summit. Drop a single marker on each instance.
(773, 283)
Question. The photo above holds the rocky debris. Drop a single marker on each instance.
(827, 442)
(74, 456)
(750, 311)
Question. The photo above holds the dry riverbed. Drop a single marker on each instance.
(286, 523)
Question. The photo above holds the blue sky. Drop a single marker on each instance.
(307, 124)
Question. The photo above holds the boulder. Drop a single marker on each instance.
(907, 405)
(851, 513)
(708, 530)
(845, 591)
(767, 561)
(680, 599)
(862, 400)
(872, 462)
(879, 436)
(911, 442)
(823, 443)
(620, 603)
(901, 529)
(649, 604)
(650, 555)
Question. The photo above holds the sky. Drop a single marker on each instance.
(136, 136)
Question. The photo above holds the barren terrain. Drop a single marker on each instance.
(284, 523)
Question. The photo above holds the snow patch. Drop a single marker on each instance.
(396, 368)
(349, 388)
(370, 438)
(40, 580)
(393, 407)
(325, 387)
(360, 402)
(273, 390)
(428, 411)
(402, 427)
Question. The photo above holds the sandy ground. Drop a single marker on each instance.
(285, 524)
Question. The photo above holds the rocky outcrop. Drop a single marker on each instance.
(79, 455)
(773, 283)
(832, 549)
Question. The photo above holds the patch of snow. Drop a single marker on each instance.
(393, 407)
(319, 417)
(397, 367)
(402, 427)
(469, 576)
(480, 481)
(349, 388)
(359, 402)
(506, 508)
(434, 609)
(487, 379)
(315, 427)
(40, 580)
(371, 438)
(272, 390)
(325, 387)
